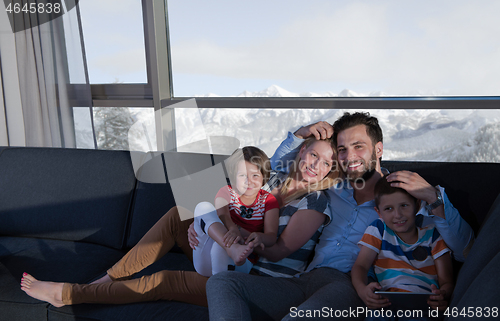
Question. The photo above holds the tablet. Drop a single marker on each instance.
(406, 300)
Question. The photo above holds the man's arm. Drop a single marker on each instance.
(288, 149)
(286, 152)
(457, 234)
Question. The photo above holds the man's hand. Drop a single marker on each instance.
(413, 184)
(371, 299)
(192, 237)
(320, 130)
(438, 299)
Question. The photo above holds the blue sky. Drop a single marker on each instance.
(226, 47)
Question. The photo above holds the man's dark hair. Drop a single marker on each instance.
(349, 120)
(383, 187)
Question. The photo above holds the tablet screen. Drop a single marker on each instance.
(406, 300)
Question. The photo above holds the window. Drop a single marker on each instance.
(429, 71)
(334, 48)
(420, 135)
(114, 41)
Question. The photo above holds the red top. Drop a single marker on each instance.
(263, 203)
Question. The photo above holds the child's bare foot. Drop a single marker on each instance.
(104, 279)
(239, 252)
(50, 292)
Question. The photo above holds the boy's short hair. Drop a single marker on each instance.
(253, 155)
(383, 187)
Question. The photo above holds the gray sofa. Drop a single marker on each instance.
(69, 214)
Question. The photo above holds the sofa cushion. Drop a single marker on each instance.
(191, 178)
(50, 260)
(485, 248)
(147, 311)
(66, 194)
(483, 294)
(152, 198)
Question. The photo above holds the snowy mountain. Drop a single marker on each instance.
(432, 135)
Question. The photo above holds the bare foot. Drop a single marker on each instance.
(240, 252)
(104, 279)
(50, 292)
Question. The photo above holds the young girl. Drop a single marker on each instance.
(240, 205)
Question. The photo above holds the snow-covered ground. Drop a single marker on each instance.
(433, 135)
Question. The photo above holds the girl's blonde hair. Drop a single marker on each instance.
(330, 179)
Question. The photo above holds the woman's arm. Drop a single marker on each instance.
(441, 296)
(301, 227)
(269, 236)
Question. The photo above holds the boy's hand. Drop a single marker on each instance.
(438, 299)
(371, 299)
(232, 236)
(256, 240)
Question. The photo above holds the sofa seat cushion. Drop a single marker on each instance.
(50, 260)
(148, 311)
(482, 295)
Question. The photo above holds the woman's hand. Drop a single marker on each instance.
(192, 237)
(372, 299)
(256, 239)
(232, 236)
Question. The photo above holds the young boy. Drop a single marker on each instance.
(406, 258)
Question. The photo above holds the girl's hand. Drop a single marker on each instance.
(371, 299)
(192, 237)
(256, 240)
(232, 236)
(438, 299)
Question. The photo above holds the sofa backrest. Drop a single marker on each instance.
(189, 178)
(66, 194)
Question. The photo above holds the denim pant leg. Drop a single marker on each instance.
(328, 291)
(238, 296)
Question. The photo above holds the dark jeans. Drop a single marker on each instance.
(317, 295)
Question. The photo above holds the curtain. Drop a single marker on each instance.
(43, 76)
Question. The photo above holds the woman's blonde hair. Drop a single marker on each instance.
(328, 181)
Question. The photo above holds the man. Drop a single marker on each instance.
(325, 290)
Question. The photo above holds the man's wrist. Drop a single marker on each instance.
(297, 133)
(436, 201)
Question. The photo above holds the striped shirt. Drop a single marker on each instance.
(264, 201)
(297, 261)
(404, 267)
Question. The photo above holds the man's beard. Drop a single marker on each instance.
(368, 171)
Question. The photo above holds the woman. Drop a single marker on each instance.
(304, 217)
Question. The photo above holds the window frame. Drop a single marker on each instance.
(158, 92)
